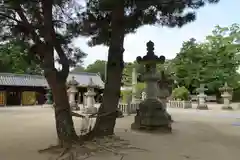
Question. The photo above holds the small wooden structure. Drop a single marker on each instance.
(23, 89)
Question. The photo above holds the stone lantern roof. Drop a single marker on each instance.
(72, 82)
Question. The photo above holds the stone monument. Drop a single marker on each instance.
(90, 101)
(201, 97)
(49, 97)
(226, 95)
(143, 95)
(72, 93)
(151, 114)
(134, 83)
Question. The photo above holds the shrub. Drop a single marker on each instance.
(126, 94)
(140, 88)
(180, 93)
(236, 95)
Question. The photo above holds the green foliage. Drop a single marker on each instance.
(127, 74)
(25, 21)
(140, 88)
(14, 59)
(180, 93)
(171, 13)
(78, 69)
(236, 95)
(126, 95)
(213, 62)
(99, 66)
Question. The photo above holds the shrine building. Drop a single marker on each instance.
(24, 89)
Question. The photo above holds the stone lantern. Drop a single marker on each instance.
(90, 101)
(226, 95)
(72, 93)
(49, 96)
(151, 113)
(201, 97)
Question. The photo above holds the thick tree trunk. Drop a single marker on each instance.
(64, 123)
(105, 124)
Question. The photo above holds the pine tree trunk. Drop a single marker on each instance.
(105, 124)
(64, 123)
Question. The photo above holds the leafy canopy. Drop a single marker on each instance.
(43, 26)
(14, 59)
(213, 62)
(98, 17)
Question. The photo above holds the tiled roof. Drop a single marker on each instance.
(9, 79)
(83, 78)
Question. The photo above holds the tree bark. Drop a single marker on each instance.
(105, 124)
(64, 123)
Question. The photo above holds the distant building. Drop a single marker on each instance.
(23, 89)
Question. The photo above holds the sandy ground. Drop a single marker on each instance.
(197, 135)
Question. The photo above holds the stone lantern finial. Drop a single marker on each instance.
(90, 84)
(73, 82)
(150, 47)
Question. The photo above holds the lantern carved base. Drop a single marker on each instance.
(74, 106)
(90, 110)
(202, 107)
(152, 116)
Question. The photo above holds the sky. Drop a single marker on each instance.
(168, 41)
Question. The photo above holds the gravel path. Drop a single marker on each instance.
(197, 135)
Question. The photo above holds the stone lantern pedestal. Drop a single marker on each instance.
(226, 90)
(151, 114)
(90, 101)
(49, 98)
(72, 94)
(201, 98)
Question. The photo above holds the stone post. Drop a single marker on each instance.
(72, 93)
(134, 83)
(143, 96)
(226, 95)
(151, 114)
(201, 97)
(90, 101)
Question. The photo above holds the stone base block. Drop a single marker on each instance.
(228, 107)
(202, 107)
(152, 116)
(163, 128)
(90, 110)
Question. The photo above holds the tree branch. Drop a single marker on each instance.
(30, 30)
(9, 17)
(49, 27)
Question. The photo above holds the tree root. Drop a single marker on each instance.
(109, 144)
(50, 148)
